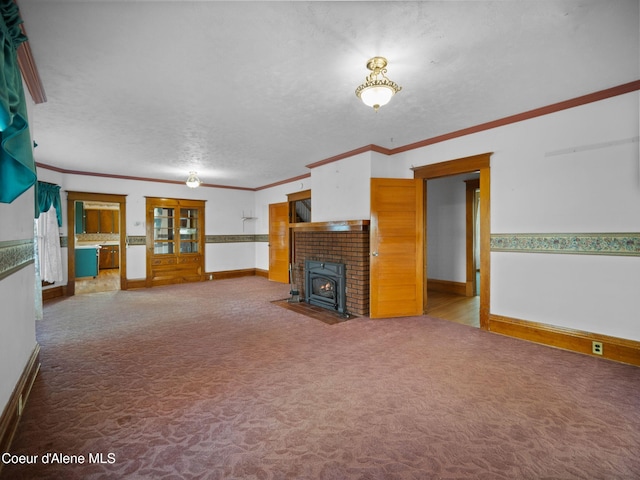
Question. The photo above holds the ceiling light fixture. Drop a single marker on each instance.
(377, 89)
(193, 181)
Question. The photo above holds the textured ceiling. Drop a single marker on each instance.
(248, 93)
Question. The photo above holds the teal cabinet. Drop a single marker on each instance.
(79, 217)
(87, 262)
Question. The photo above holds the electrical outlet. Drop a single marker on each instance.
(596, 347)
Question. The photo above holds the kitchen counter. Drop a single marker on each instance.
(96, 243)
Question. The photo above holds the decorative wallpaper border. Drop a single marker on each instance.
(235, 238)
(137, 240)
(15, 255)
(141, 240)
(625, 244)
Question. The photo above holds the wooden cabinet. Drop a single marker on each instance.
(109, 256)
(101, 221)
(92, 221)
(175, 241)
(109, 220)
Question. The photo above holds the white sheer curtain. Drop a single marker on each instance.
(38, 282)
(48, 234)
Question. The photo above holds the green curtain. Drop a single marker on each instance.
(48, 194)
(17, 167)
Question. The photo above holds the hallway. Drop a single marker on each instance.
(107, 280)
(455, 308)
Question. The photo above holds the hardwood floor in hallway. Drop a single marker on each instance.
(106, 281)
(456, 308)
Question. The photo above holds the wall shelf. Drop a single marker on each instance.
(245, 219)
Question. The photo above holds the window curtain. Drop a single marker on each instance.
(48, 232)
(48, 195)
(17, 167)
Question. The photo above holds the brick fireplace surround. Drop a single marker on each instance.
(339, 242)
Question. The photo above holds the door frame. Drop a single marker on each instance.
(475, 163)
(72, 197)
(470, 237)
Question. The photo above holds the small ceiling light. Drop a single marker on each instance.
(377, 89)
(193, 181)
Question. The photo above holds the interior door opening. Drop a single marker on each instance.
(97, 246)
(452, 257)
(96, 243)
(468, 295)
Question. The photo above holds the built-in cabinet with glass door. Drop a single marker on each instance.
(175, 241)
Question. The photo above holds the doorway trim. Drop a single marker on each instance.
(475, 163)
(72, 197)
(470, 218)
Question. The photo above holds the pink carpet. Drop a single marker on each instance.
(213, 381)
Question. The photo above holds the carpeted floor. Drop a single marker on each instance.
(214, 381)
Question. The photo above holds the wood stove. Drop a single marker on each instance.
(325, 284)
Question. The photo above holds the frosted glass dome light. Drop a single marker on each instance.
(377, 89)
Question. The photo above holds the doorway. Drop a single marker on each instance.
(473, 190)
(279, 255)
(96, 242)
(452, 256)
(481, 164)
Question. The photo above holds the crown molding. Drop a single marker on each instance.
(351, 153)
(128, 177)
(29, 70)
(555, 107)
(282, 182)
(537, 112)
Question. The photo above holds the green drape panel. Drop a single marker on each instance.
(17, 167)
(48, 194)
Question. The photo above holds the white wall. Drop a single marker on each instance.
(342, 189)
(590, 293)
(386, 166)
(17, 293)
(17, 321)
(574, 171)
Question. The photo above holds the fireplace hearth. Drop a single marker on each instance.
(344, 242)
(325, 285)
